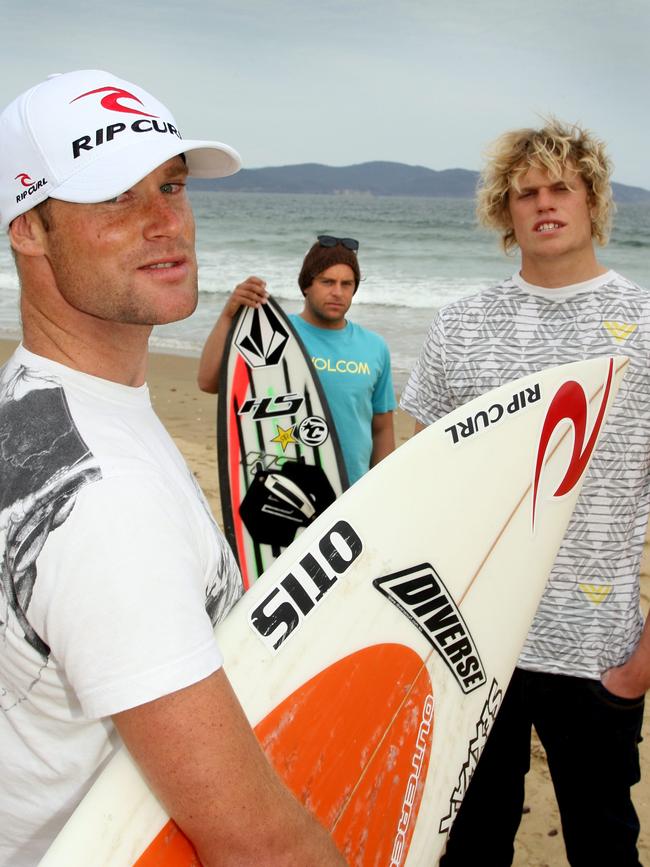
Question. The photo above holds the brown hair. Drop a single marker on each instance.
(319, 259)
(554, 148)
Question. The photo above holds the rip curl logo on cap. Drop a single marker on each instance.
(111, 101)
(30, 185)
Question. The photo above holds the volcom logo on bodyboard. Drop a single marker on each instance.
(420, 594)
(261, 337)
(297, 593)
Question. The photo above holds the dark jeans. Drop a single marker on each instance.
(591, 740)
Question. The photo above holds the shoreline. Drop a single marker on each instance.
(190, 417)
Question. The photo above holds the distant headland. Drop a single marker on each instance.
(374, 178)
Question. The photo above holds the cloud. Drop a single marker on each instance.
(417, 81)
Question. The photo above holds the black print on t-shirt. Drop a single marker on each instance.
(44, 463)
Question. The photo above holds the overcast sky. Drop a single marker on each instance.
(426, 82)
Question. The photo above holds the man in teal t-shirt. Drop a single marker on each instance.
(353, 363)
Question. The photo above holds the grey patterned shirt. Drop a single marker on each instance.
(589, 618)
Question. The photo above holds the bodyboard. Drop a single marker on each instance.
(280, 461)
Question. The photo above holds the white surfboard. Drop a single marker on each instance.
(372, 656)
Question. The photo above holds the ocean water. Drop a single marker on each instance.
(415, 255)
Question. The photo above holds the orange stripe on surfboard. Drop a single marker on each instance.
(170, 847)
(353, 743)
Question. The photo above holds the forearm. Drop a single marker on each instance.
(212, 355)
(383, 437)
(202, 759)
(250, 293)
(276, 831)
(632, 679)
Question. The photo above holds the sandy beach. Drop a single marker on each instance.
(190, 417)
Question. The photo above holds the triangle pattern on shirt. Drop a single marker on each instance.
(620, 331)
(596, 593)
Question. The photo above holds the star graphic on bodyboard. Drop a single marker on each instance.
(285, 436)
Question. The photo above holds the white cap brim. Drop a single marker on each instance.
(111, 175)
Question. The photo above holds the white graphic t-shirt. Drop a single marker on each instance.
(112, 575)
(589, 618)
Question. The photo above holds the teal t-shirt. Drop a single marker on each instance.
(353, 365)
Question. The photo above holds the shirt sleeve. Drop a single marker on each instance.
(426, 396)
(383, 395)
(121, 597)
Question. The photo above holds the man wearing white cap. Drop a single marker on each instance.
(113, 571)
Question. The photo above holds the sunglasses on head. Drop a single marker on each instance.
(331, 241)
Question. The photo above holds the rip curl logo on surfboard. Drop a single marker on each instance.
(570, 403)
(420, 594)
(261, 337)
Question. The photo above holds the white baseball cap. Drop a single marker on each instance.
(88, 136)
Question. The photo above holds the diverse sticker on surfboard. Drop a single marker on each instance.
(280, 462)
(372, 656)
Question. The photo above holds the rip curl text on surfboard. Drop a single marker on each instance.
(484, 418)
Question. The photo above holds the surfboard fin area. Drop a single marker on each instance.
(372, 656)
